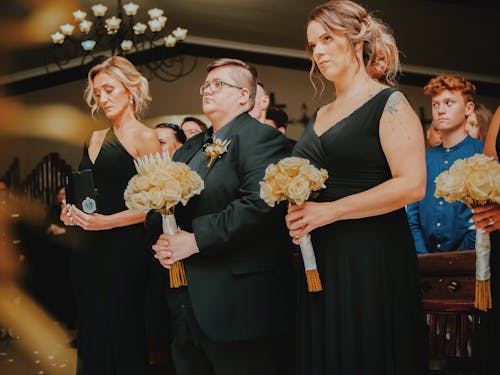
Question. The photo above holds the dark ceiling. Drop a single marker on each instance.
(433, 36)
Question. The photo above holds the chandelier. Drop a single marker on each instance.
(96, 35)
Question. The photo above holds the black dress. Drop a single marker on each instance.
(368, 318)
(109, 273)
(489, 344)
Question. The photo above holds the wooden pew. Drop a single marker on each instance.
(448, 282)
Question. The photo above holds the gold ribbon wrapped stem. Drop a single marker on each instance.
(177, 271)
(312, 274)
(482, 299)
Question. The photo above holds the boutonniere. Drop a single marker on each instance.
(215, 149)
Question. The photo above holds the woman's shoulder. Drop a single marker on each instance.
(96, 136)
(146, 140)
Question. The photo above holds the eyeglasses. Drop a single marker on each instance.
(216, 86)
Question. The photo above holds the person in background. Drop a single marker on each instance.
(109, 265)
(171, 137)
(487, 218)
(436, 224)
(368, 318)
(54, 224)
(432, 135)
(478, 121)
(192, 126)
(261, 103)
(277, 118)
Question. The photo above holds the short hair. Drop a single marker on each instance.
(200, 123)
(126, 73)
(452, 83)
(278, 115)
(179, 133)
(245, 75)
(380, 52)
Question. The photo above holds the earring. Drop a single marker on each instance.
(131, 100)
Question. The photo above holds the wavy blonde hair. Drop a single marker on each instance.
(380, 53)
(125, 72)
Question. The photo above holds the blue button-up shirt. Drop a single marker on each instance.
(437, 225)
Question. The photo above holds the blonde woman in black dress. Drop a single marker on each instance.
(368, 318)
(109, 263)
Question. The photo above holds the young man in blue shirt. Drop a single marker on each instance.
(435, 224)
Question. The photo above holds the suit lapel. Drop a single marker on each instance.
(190, 148)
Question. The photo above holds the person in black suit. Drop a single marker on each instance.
(238, 300)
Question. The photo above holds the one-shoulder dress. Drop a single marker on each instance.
(368, 318)
(109, 275)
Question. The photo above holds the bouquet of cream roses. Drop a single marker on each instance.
(160, 184)
(293, 179)
(475, 181)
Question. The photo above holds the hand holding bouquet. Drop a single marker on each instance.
(475, 181)
(161, 184)
(294, 179)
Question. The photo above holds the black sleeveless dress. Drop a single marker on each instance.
(489, 344)
(109, 273)
(368, 318)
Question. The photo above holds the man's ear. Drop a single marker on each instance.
(265, 101)
(469, 108)
(244, 96)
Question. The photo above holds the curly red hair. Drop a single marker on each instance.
(452, 83)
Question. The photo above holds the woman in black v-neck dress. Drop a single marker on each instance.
(489, 336)
(109, 263)
(367, 319)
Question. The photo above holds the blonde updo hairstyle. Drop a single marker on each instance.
(125, 72)
(380, 53)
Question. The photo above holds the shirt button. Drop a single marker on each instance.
(438, 245)
(438, 224)
(447, 150)
(440, 203)
(446, 161)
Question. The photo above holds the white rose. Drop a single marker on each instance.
(480, 185)
(298, 190)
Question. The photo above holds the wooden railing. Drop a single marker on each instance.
(44, 180)
(12, 177)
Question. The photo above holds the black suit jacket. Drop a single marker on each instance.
(241, 283)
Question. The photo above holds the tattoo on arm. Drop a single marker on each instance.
(393, 105)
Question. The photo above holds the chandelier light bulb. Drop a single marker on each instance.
(57, 38)
(155, 13)
(79, 15)
(163, 21)
(88, 45)
(180, 33)
(113, 24)
(155, 25)
(126, 45)
(99, 10)
(169, 41)
(131, 9)
(85, 26)
(67, 29)
(139, 28)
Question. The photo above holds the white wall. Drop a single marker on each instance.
(57, 120)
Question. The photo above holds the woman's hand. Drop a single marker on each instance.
(302, 219)
(65, 215)
(88, 221)
(487, 218)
